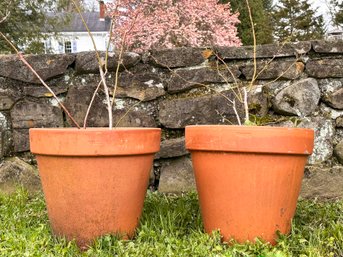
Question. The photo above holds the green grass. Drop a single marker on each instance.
(170, 226)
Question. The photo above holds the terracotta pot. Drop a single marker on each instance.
(94, 180)
(248, 178)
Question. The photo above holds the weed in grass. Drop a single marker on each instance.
(170, 226)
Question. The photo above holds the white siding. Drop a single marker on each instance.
(81, 42)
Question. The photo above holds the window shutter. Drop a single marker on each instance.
(74, 46)
(60, 47)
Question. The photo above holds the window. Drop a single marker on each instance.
(67, 47)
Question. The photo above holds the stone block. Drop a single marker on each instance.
(335, 99)
(21, 140)
(78, 99)
(326, 68)
(327, 47)
(15, 172)
(133, 118)
(324, 134)
(258, 103)
(339, 152)
(41, 91)
(35, 113)
(6, 141)
(6, 144)
(177, 176)
(10, 92)
(177, 57)
(98, 115)
(323, 183)
(144, 86)
(87, 62)
(339, 122)
(274, 70)
(172, 148)
(184, 79)
(300, 98)
(6, 102)
(264, 51)
(209, 109)
(47, 66)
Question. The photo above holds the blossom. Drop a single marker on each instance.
(141, 25)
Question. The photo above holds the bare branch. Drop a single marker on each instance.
(5, 17)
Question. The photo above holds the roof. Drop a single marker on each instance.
(94, 23)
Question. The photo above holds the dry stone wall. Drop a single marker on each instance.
(297, 85)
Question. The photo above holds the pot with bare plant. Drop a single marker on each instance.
(94, 179)
(248, 177)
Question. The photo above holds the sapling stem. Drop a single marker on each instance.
(102, 65)
(236, 113)
(108, 101)
(255, 43)
(246, 106)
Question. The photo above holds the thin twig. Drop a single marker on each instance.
(227, 67)
(254, 39)
(283, 73)
(126, 113)
(21, 57)
(270, 61)
(116, 77)
(88, 31)
(90, 105)
(120, 61)
(108, 45)
(239, 97)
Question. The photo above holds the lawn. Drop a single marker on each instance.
(170, 226)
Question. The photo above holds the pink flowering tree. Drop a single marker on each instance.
(150, 24)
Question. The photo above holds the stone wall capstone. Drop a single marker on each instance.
(296, 85)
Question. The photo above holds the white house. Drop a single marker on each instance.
(335, 34)
(73, 37)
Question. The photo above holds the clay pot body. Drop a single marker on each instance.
(95, 179)
(248, 178)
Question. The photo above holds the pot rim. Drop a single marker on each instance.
(94, 141)
(250, 139)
